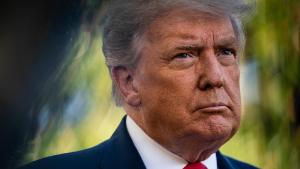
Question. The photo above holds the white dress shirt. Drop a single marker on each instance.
(154, 155)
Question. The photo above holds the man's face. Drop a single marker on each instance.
(188, 81)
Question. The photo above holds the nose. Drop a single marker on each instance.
(211, 74)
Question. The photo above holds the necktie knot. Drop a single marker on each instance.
(195, 166)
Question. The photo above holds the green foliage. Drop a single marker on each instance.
(273, 42)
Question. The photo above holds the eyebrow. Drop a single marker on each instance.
(184, 36)
(227, 41)
(190, 47)
(221, 42)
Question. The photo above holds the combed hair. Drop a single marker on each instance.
(126, 21)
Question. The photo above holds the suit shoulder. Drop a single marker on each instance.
(239, 164)
(88, 159)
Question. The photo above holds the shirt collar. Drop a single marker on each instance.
(154, 155)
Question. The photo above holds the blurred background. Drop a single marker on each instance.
(55, 87)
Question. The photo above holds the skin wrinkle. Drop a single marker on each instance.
(172, 96)
(124, 27)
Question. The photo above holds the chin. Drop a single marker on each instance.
(205, 154)
(213, 135)
(219, 129)
(202, 150)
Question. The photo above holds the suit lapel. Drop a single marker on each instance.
(223, 162)
(121, 152)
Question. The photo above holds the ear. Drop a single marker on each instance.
(123, 78)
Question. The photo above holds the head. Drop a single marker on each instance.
(174, 65)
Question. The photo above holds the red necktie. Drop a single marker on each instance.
(195, 166)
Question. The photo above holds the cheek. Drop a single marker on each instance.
(167, 85)
(166, 95)
(233, 81)
(236, 81)
(233, 88)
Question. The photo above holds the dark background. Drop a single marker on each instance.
(33, 39)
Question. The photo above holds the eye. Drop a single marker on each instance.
(183, 60)
(227, 56)
(227, 52)
(183, 56)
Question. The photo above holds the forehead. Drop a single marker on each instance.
(190, 24)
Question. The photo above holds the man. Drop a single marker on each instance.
(174, 66)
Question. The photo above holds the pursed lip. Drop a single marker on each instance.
(213, 107)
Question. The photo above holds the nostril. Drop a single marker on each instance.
(208, 86)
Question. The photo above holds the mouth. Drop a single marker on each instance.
(213, 108)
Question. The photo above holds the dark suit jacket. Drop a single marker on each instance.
(118, 152)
